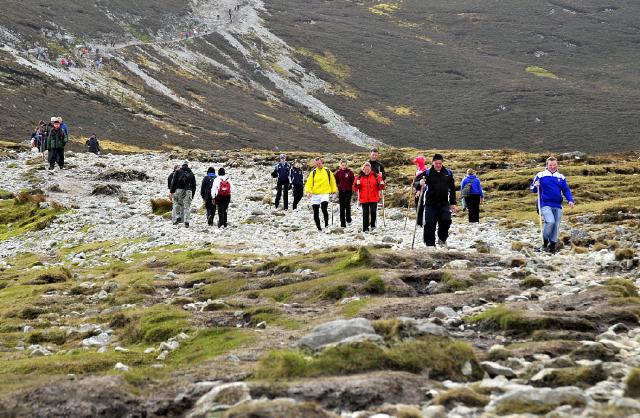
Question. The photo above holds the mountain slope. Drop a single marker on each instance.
(327, 75)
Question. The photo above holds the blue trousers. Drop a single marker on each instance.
(552, 217)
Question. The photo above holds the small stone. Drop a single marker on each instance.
(163, 355)
(27, 328)
(262, 325)
(121, 349)
(434, 411)
(444, 312)
(121, 367)
(169, 346)
(495, 369)
(100, 340)
(467, 369)
(149, 350)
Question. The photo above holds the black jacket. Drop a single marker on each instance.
(282, 172)
(184, 179)
(205, 190)
(170, 180)
(440, 187)
(297, 177)
(93, 145)
(377, 168)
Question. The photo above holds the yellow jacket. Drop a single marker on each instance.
(321, 182)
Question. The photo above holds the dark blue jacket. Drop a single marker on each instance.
(553, 186)
(476, 187)
(65, 128)
(297, 176)
(283, 170)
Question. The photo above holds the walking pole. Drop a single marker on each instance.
(333, 207)
(540, 215)
(415, 228)
(384, 222)
(411, 191)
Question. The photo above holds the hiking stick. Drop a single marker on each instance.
(415, 228)
(411, 197)
(540, 215)
(333, 207)
(384, 222)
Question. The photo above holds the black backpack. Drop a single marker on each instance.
(206, 188)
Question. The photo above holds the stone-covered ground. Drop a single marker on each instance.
(106, 309)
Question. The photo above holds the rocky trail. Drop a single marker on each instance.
(108, 309)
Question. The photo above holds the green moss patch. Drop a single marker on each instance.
(442, 358)
(21, 216)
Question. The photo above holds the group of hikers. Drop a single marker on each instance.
(433, 192)
(53, 138)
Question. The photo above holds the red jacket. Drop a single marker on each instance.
(344, 179)
(369, 187)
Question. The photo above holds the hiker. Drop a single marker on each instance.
(438, 191)
(472, 195)
(36, 138)
(64, 127)
(421, 167)
(376, 166)
(183, 188)
(344, 179)
(282, 172)
(176, 217)
(297, 183)
(221, 190)
(205, 193)
(368, 185)
(93, 144)
(320, 186)
(55, 143)
(552, 187)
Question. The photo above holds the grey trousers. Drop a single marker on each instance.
(182, 205)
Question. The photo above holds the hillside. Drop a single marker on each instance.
(107, 309)
(326, 75)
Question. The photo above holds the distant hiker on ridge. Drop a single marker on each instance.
(183, 188)
(344, 178)
(282, 174)
(205, 193)
(551, 187)
(439, 198)
(472, 195)
(321, 185)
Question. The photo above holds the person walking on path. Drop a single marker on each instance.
(344, 179)
(320, 186)
(205, 193)
(472, 195)
(183, 188)
(93, 144)
(55, 143)
(282, 174)
(368, 185)
(176, 216)
(221, 191)
(376, 166)
(552, 188)
(297, 183)
(439, 199)
(63, 126)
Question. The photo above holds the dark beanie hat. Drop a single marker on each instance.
(437, 157)
(221, 171)
(211, 170)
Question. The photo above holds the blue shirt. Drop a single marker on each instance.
(476, 187)
(553, 187)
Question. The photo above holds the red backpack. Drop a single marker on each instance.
(224, 189)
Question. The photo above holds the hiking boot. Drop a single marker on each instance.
(51, 167)
(552, 247)
(545, 243)
(442, 244)
(186, 224)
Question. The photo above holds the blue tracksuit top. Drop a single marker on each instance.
(476, 187)
(284, 171)
(553, 186)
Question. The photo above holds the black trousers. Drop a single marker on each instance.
(211, 212)
(369, 214)
(298, 192)
(325, 213)
(439, 215)
(56, 155)
(284, 193)
(222, 203)
(473, 204)
(344, 198)
(419, 212)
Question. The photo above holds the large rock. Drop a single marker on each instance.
(495, 369)
(220, 398)
(281, 408)
(541, 400)
(337, 331)
(99, 340)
